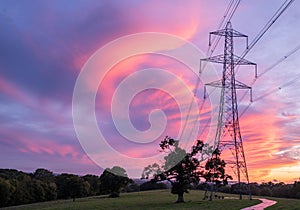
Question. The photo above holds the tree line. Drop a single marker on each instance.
(271, 189)
(17, 187)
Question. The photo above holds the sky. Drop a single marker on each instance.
(46, 46)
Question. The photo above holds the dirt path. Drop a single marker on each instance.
(265, 203)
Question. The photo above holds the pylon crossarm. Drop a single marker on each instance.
(221, 59)
(240, 85)
(230, 31)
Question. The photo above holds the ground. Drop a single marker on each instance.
(160, 199)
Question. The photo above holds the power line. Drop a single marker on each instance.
(296, 78)
(261, 33)
(267, 26)
(290, 53)
(231, 9)
(273, 19)
(278, 88)
(280, 60)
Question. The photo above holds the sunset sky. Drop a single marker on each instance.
(44, 46)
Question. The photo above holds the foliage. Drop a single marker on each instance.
(271, 189)
(215, 170)
(113, 180)
(71, 186)
(94, 183)
(153, 185)
(214, 173)
(44, 175)
(132, 187)
(5, 192)
(180, 168)
(17, 187)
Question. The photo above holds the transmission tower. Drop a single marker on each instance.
(228, 118)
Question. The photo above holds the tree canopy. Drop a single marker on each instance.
(180, 168)
(113, 180)
(214, 172)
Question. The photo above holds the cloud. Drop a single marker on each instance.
(46, 43)
(292, 153)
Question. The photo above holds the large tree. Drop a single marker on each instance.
(180, 168)
(214, 173)
(113, 180)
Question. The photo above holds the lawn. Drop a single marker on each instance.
(284, 204)
(161, 199)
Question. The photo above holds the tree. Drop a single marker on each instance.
(44, 175)
(180, 168)
(94, 183)
(49, 185)
(71, 186)
(5, 192)
(78, 187)
(152, 185)
(113, 180)
(215, 172)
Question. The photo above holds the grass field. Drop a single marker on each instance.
(283, 204)
(161, 199)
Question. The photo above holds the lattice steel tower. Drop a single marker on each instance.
(228, 118)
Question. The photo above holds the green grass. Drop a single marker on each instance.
(284, 204)
(161, 199)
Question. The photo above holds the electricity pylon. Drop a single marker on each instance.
(228, 117)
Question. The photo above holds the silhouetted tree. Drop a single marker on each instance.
(152, 185)
(132, 187)
(48, 182)
(5, 192)
(180, 168)
(215, 172)
(71, 186)
(44, 175)
(94, 183)
(113, 180)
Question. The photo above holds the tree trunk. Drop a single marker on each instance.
(180, 198)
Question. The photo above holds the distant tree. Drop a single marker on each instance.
(215, 172)
(37, 191)
(113, 180)
(44, 175)
(132, 187)
(94, 183)
(71, 186)
(180, 168)
(78, 187)
(23, 189)
(48, 182)
(153, 185)
(5, 192)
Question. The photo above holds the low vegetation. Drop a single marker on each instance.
(157, 199)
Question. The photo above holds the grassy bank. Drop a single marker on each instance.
(284, 204)
(161, 199)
